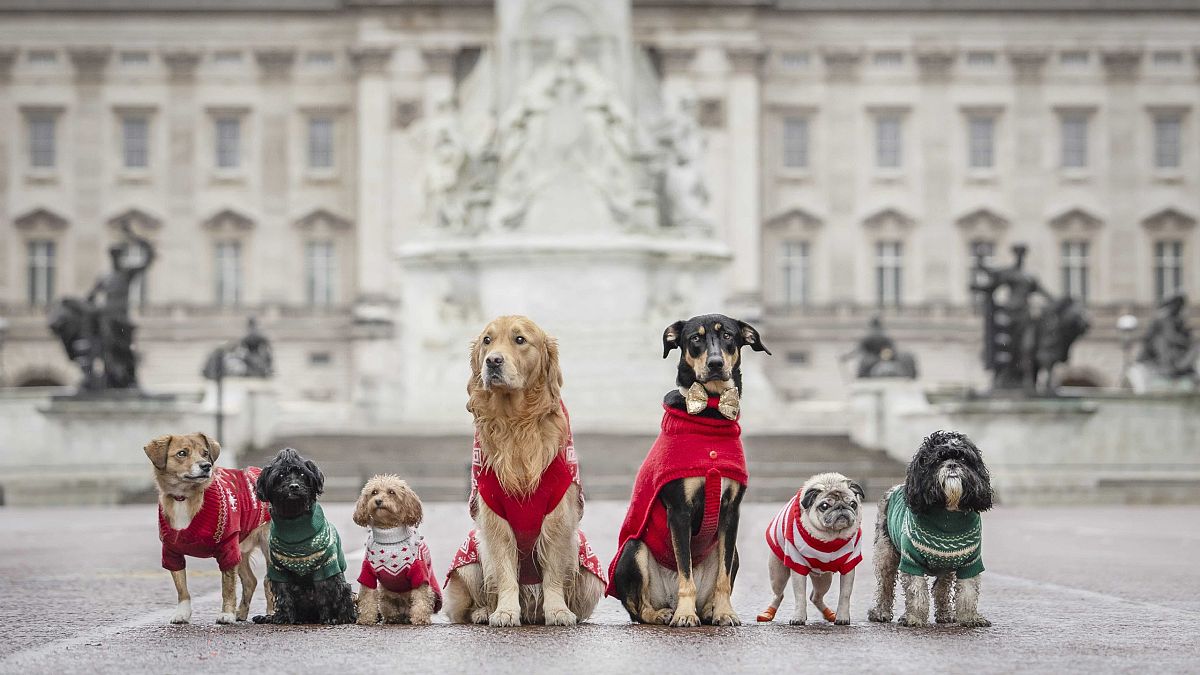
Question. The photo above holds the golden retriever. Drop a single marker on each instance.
(208, 512)
(521, 429)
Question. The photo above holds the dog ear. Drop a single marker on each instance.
(214, 448)
(411, 511)
(262, 486)
(671, 337)
(810, 496)
(554, 378)
(751, 337)
(360, 507)
(858, 490)
(156, 450)
(475, 383)
(318, 477)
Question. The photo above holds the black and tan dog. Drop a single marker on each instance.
(677, 551)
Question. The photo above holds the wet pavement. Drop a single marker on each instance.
(1067, 589)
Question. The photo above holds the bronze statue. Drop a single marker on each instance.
(1022, 347)
(98, 329)
(249, 357)
(878, 356)
(1168, 346)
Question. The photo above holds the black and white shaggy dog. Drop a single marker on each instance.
(305, 566)
(930, 526)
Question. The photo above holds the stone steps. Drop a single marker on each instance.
(438, 466)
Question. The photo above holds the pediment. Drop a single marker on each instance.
(889, 218)
(982, 220)
(794, 218)
(228, 219)
(324, 217)
(136, 219)
(1167, 220)
(40, 218)
(1076, 220)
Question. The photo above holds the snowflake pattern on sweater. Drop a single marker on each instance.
(229, 514)
(398, 559)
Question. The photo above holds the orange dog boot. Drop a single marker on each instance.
(767, 615)
(830, 615)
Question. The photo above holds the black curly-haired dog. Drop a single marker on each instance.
(930, 526)
(305, 566)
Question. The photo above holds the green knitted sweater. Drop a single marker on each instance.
(308, 546)
(936, 542)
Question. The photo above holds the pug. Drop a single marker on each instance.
(816, 535)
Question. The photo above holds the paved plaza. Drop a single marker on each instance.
(1103, 589)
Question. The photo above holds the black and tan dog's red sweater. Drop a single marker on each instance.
(526, 513)
(230, 512)
(688, 446)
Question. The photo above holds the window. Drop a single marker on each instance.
(888, 59)
(229, 273)
(321, 268)
(135, 58)
(1075, 58)
(41, 272)
(1074, 140)
(794, 59)
(227, 57)
(981, 141)
(794, 265)
(1167, 58)
(135, 141)
(1075, 269)
(41, 141)
(320, 143)
(229, 141)
(43, 57)
(795, 142)
(981, 59)
(889, 268)
(1168, 268)
(887, 141)
(321, 59)
(979, 250)
(1168, 129)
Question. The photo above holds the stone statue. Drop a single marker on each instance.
(1168, 348)
(249, 357)
(98, 328)
(685, 194)
(1019, 346)
(444, 196)
(878, 357)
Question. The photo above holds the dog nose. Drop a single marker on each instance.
(495, 360)
(205, 466)
(378, 502)
(716, 363)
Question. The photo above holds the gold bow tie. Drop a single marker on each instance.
(697, 400)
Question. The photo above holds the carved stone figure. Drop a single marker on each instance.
(98, 328)
(878, 356)
(1021, 346)
(1168, 347)
(444, 196)
(685, 194)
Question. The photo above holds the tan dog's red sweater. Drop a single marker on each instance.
(229, 514)
(688, 446)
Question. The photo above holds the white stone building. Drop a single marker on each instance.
(855, 153)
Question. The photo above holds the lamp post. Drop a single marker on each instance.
(214, 369)
(1126, 324)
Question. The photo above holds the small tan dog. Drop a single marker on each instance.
(208, 512)
(397, 579)
(816, 535)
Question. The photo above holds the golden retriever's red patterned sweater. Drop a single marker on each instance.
(230, 512)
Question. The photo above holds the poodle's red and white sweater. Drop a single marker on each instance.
(525, 513)
(398, 559)
(797, 548)
(230, 512)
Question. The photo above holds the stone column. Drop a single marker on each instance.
(182, 182)
(842, 234)
(1125, 261)
(1033, 174)
(269, 250)
(9, 146)
(372, 224)
(87, 153)
(745, 178)
(935, 123)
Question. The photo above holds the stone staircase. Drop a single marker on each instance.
(438, 467)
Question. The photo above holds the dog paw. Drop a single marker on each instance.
(183, 613)
(420, 620)
(226, 618)
(946, 619)
(797, 621)
(879, 616)
(503, 617)
(364, 620)
(842, 622)
(561, 617)
(726, 619)
(685, 620)
(242, 613)
(264, 618)
(912, 622)
(479, 616)
(975, 622)
(662, 617)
